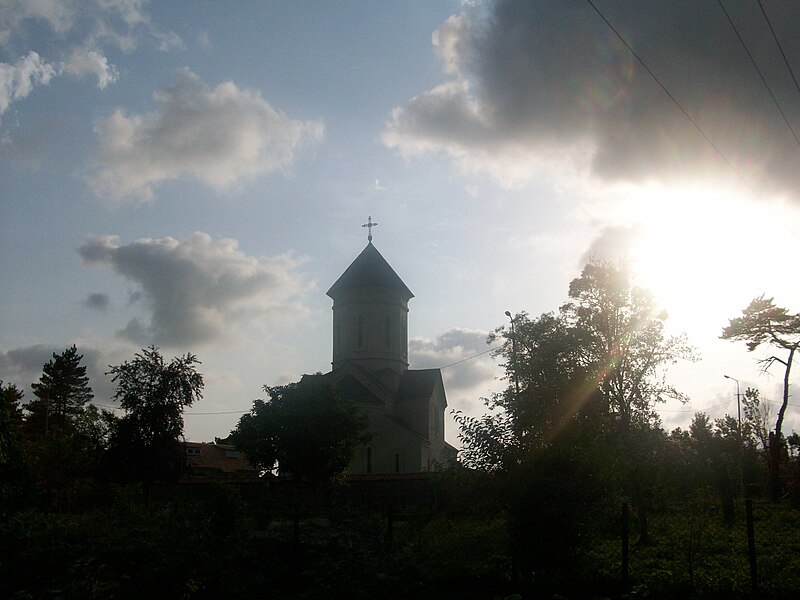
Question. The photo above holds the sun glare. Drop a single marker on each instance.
(704, 254)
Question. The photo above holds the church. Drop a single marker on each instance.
(405, 408)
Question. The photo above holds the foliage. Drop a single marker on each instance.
(10, 422)
(623, 343)
(61, 393)
(599, 363)
(144, 445)
(763, 323)
(12, 452)
(306, 429)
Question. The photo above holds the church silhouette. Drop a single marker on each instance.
(405, 408)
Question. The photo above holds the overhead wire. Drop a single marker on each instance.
(780, 47)
(674, 100)
(758, 70)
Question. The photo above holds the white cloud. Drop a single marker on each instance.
(77, 32)
(529, 80)
(58, 14)
(89, 62)
(218, 136)
(199, 290)
(19, 79)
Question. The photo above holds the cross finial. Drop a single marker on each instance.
(369, 225)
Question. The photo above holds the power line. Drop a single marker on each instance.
(760, 74)
(458, 362)
(780, 47)
(674, 100)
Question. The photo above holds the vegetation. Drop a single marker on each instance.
(538, 506)
(763, 323)
(305, 429)
(145, 444)
(61, 394)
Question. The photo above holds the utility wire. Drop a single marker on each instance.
(674, 100)
(458, 362)
(780, 47)
(760, 74)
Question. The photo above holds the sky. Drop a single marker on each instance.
(195, 175)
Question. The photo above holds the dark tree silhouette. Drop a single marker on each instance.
(763, 323)
(11, 452)
(305, 429)
(145, 444)
(61, 393)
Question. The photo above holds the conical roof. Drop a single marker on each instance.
(370, 269)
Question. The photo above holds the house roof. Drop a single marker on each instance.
(417, 384)
(370, 269)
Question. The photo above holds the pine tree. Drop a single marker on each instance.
(61, 393)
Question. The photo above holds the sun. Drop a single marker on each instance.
(704, 253)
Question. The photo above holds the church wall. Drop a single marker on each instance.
(391, 446)
(371, 327)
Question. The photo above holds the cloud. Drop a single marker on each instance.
(218, 136)
(452, 346)
(90, 62)
(96, 301)
(198, 290)
(76, 33)
(527, 81)
(613, 244)
(19, 79)
(58, 14)
(23, 366)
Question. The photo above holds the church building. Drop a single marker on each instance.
(405, 407)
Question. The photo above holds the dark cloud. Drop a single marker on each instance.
(452, 346)
(96, 301)
(529, 78)
(23, 366)
(197, 290)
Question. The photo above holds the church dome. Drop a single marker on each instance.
(370, 270)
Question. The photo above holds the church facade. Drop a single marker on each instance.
(405, 408)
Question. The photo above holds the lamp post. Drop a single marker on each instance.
(739, 418)
(514, 354)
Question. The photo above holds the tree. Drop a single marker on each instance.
(763, 323)
(61, 393)
(145, 443)
(623, 343)
(11, 450)
(547, 390)
(305, 429)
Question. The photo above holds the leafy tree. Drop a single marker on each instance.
(61, 393)
(145, 443)
(763, 323)
(601, 362)
(623, 343)
(305, 429)
(547, 389)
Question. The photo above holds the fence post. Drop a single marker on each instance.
(751, 543)
(389, 523)
(625, 534)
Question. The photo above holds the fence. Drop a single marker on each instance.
(450, 536)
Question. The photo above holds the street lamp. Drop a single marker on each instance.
(739, 415)
(738, 405)
(514, 354)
